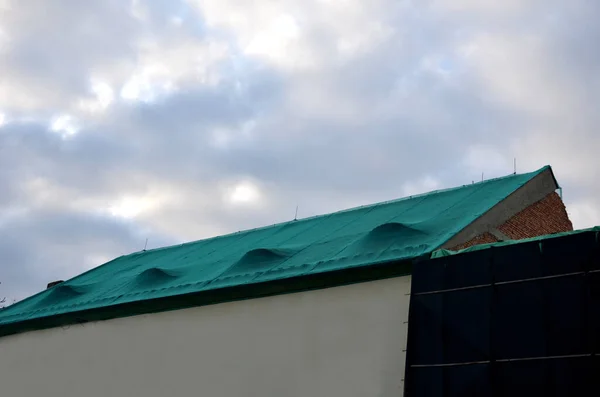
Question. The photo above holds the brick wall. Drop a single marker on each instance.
(547, 216)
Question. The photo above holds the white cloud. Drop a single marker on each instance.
(93, 260)
(4, 41)
(516, 70)
(101, 98)
(163, 68)
(129, 207)
(275, 38)
(487, 160)
(65, 125)
(244, 193)
(483, 6)
(423, 185)
(297, 36)
(584, 213)
(189, 122)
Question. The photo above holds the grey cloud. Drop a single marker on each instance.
(55, 62)
(56, 46)
(406, 122)
(43, 246)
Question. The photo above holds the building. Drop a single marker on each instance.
(313, 307)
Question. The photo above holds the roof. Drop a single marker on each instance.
(269, 260)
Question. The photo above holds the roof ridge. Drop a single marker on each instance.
(356, 208)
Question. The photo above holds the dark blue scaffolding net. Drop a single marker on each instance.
(518, 319)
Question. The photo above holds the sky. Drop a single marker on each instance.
(126, 121)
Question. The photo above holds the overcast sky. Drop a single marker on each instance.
(176, 120)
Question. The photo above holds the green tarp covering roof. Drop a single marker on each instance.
(361, 237)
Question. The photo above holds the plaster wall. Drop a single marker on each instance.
(344, 341)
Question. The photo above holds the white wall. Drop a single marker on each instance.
(345, 341)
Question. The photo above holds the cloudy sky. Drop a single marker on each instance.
(176, 120)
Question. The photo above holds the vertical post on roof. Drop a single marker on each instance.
(296, 215)
(482, 177)
(515, 166)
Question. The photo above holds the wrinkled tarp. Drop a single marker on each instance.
(364, 236)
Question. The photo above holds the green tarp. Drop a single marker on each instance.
(359, 237)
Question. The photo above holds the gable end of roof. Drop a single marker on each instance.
(538, 187)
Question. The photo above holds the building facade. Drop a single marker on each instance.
(314, 307)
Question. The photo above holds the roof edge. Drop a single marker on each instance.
(289, 285)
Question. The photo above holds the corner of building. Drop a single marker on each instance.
(546, 216)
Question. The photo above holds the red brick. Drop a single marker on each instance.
(547, 216)
(484, 238)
